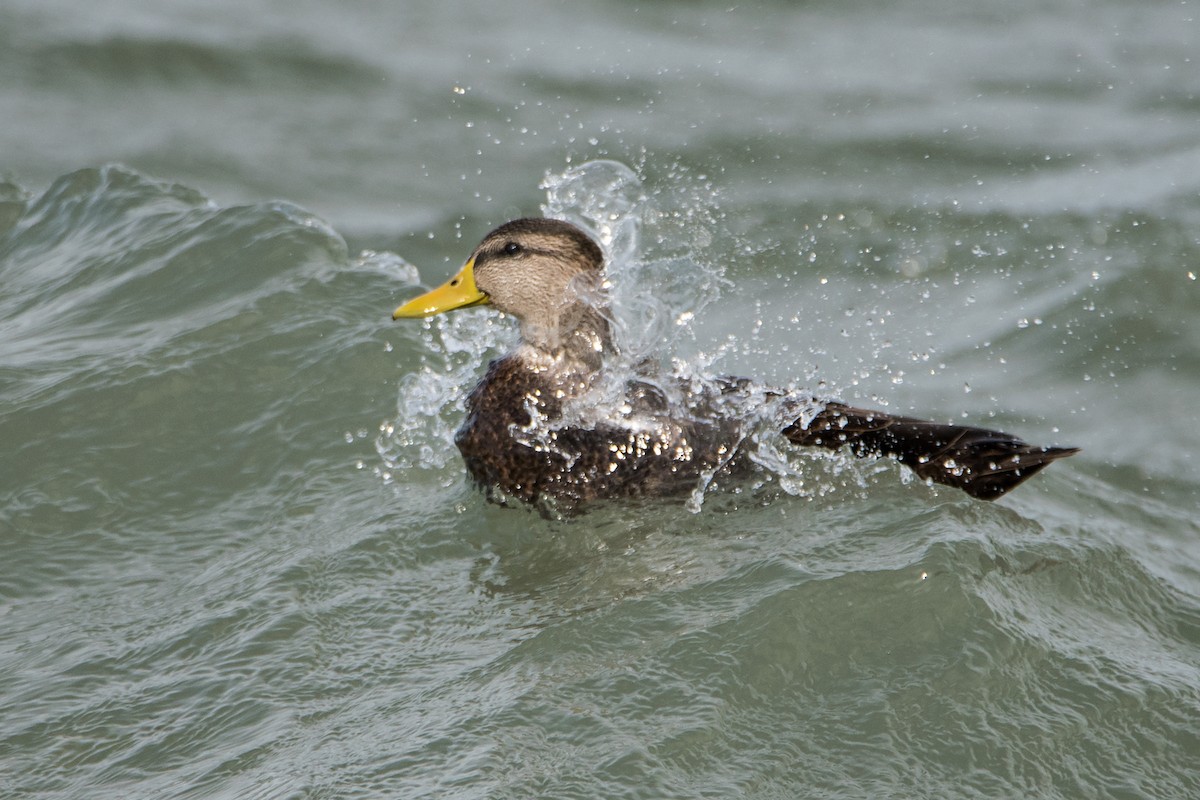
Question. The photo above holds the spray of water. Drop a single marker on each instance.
(659, 279)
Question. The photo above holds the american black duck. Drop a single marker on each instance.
(523, 437)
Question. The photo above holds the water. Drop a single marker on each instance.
(241, 558)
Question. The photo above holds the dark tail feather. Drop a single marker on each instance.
(983, 463)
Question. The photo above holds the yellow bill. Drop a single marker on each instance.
(458, 292)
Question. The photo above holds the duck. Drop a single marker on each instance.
(532, 434)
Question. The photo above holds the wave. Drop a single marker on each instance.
(139, 61)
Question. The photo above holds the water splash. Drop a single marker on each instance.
(655, 288)
(645, 290)
(658, 286)
(603, 198)
(429, 403)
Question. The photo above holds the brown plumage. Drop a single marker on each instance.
(518, 437)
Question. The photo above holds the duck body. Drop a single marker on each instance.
(526, 435)
(532, 433)
(515, 439)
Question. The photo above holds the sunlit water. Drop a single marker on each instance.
(242, 558)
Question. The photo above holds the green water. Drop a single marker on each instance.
(241, 558)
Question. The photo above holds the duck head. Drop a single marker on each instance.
(545, 272)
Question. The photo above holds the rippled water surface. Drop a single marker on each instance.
(242, 559)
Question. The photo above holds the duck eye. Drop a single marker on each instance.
(512, 248)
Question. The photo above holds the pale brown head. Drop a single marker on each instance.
(545, 272)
